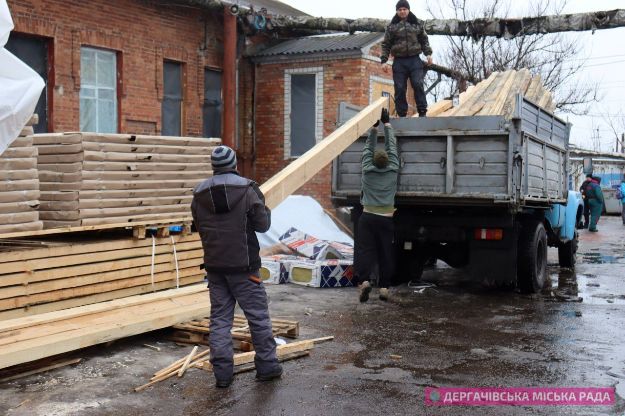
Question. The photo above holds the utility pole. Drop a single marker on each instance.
(623, 143)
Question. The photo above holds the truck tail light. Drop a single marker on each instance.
(488, 234)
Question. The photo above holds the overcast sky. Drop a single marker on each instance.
(605, 51)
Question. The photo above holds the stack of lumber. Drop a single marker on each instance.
(495, 96)
(31, 338)
(94, 179)
(77, 273)
(198, 331)
(19, 184)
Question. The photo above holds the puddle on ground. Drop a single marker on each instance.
(567, 286)
(598, 258)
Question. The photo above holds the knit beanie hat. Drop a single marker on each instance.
(402, 3)
(223, 158)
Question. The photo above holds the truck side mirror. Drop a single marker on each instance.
(588, 165)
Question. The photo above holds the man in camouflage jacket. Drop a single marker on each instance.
(406, 39)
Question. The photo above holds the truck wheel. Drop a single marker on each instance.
(566, 253)
(532, 262)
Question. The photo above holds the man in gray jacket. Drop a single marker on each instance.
(405, 38)
(228, 210)
(375, 232)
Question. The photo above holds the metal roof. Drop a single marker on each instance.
(321, 44)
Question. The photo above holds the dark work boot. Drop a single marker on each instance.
(277, 373)
(223, 384)
(423, 113)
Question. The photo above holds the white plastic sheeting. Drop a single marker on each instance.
(20, 86)
(305, 214)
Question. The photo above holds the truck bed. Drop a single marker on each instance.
(477, 160)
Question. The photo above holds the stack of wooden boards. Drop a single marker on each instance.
(70, 274)
(94, 179)
(19, 184)
(496, 96)
(31, 338)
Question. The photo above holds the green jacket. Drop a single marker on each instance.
(379, 185)
(405, 38)
(593, 191)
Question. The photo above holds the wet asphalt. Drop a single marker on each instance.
(452, 334)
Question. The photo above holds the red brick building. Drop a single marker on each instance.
(300, 84)
(178, 68)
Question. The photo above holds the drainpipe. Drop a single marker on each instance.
(229, 78)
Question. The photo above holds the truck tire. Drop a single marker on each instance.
(567, 252)
(532, 261)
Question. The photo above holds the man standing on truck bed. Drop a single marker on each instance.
(228, 210)
(405, 38)
(375, 233)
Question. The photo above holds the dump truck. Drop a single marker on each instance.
(488, 194)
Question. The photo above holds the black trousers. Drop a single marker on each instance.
(374, 245)
(586, 213)
(404, 69)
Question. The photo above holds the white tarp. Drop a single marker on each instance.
(20, 86)
(305, 214)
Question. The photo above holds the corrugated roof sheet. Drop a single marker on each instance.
(321, 44)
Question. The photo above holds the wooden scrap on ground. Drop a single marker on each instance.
(59, 364)
(201, 360)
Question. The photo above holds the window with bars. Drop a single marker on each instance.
(98, 90)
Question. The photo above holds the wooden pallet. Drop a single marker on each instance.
(198, 331)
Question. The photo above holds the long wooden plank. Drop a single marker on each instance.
(17, 164)
(20, 196)
(464, 109)
(439, 108)
(74, 292)
(103, 213)
(145, 175)
(151, 140)
(144, 157)
(522, 83)
(66, 313)
(159, 222)
(143, 167)
(106, 276)
(20, 175)
(133, 202)
(15, 207)
(27, 227)
(498, 97)
(29, 277)
(287, 181)
(94, 185)
(93, 257)
(57, 138)
(155, 218)
(134, 321)
(72, 323)
(141, 148)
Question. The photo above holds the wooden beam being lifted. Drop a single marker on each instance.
(289, 179)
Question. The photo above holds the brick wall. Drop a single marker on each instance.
(144, 33)
(343, 80)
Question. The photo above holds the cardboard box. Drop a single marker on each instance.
(322, 273)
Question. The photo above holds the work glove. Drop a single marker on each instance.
(377, 123)
(383, 59)
(384, 116)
